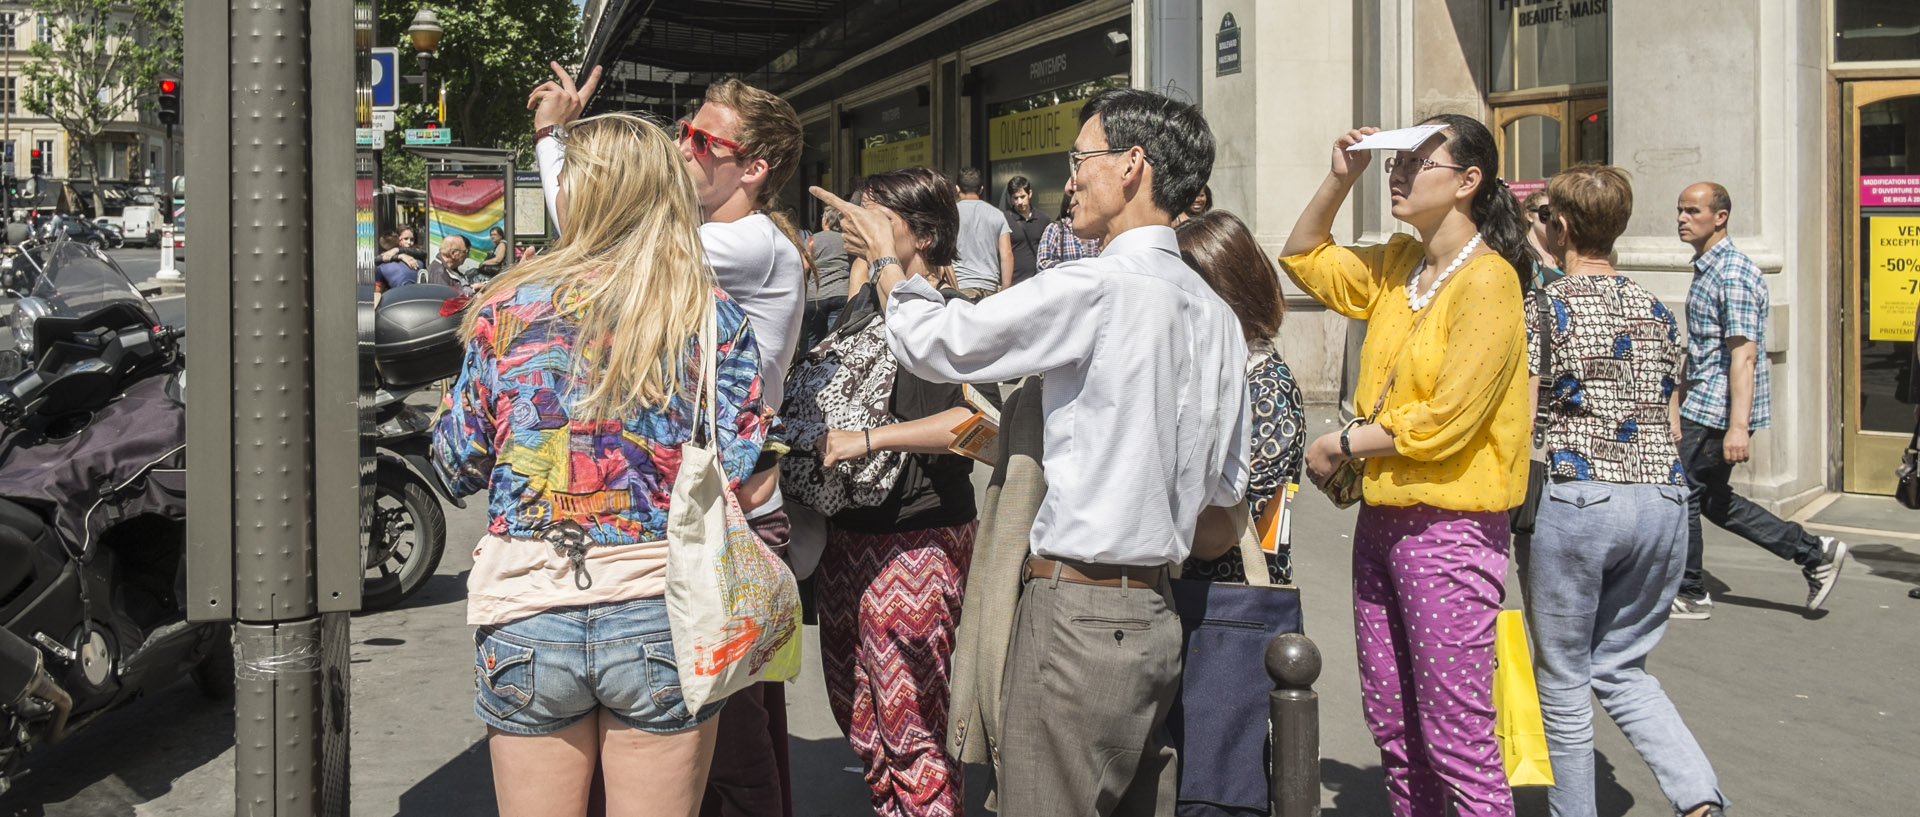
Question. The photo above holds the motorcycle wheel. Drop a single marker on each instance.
(406, 537)
(213, 676)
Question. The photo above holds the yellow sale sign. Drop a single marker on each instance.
(1893, 272)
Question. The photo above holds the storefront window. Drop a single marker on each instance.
(1873, 30)
(1542, 43)
(1030, 137)
(1533, 148)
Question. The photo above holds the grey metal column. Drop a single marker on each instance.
(273, 535)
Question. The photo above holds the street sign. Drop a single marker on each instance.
(429, 136)
(386, 79)
(370, 137)
(383, 120)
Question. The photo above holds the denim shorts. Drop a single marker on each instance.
(543, 673)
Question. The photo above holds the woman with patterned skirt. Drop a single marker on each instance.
(890, 583)
(1219, 245)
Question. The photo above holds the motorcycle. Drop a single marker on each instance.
(93, 492)
(92, 507)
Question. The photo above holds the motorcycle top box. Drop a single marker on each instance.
(413, 343)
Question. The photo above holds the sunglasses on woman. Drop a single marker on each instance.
(703, 141)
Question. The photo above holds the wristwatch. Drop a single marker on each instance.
(556, 131)
(873, 268)
(1346, 448)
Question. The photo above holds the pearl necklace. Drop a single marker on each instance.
(1416, 301)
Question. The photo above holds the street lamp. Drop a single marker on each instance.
(425, 33)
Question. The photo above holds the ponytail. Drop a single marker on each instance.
(1497, 213)
(1494, 210)
(786, 227)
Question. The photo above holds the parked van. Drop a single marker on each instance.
(141, 224)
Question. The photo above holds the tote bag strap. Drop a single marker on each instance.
(1250, 556)
(1393, 369)
(709, 383)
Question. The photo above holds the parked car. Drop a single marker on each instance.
(110, 227)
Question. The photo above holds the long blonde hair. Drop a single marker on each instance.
(628, 269)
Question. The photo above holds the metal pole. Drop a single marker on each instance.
(273, 538)
(1293, 710)
(167, 271)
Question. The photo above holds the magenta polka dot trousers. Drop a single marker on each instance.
(1427, 583)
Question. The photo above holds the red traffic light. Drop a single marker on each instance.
(36, 153)
(431, 125)
(168, 86)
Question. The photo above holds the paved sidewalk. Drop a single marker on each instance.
(1803, 717)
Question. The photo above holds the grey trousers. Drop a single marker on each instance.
(1090, 676)
(1605, 563)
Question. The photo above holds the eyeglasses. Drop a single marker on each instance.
(703, 141)
(1075, 157)
(1544, 212)
(1397, 163)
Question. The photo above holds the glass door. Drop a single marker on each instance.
(1880, 279)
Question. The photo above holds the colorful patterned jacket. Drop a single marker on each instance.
(506, 426)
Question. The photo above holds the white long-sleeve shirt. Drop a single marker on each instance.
(1145, 394)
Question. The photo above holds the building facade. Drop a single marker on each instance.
(131, 151)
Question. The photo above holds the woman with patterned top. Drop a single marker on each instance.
(1610, 542)
(1219, 245)
(580, 385)
(1445, 451)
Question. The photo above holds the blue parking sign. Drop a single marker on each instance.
(386, 79)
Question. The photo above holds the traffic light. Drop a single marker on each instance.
(36, 163)
(169, 101)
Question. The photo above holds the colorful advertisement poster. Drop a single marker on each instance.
(1890, 191)
(466, 205)
(1893, 273)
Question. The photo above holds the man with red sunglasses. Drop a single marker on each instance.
(741, 148)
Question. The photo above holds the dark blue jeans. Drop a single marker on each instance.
(1709, 495)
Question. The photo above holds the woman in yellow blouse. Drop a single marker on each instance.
(1445, 455)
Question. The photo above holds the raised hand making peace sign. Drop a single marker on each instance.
(557, 103)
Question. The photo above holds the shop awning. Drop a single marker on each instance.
(658, 56)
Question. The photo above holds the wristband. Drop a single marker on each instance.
(868, 433)
(1346, 448)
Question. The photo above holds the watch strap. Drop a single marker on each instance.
(550, 130)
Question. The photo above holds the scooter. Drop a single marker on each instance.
(92, 507)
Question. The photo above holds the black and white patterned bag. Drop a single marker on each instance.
(844, 383)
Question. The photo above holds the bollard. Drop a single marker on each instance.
(1293, 709)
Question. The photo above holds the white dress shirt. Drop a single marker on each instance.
(1145, 394)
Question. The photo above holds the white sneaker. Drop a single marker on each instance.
(1692, 609)
(1822, 575)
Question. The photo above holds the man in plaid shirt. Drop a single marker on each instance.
(1726, 400)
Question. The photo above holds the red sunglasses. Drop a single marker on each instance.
(703, 141)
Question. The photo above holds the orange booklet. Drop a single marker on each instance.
(974, 437)
(1276, 523)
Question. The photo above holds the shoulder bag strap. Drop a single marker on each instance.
(1544, 329)
(709, 383)
(1250, 556)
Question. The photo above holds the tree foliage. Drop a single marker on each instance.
(492, 54)
(103, 59)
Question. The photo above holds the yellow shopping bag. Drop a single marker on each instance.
(1516, 705)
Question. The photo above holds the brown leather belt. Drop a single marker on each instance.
(1093, 574)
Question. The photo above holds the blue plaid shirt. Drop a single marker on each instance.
(1728, 299)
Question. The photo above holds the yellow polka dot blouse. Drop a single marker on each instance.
(1458, 409)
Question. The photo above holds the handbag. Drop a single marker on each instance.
(1219, 720)
(845, 382)
(1521, 519)
(732, 604)
(1908, 490)
(1343, 486)
(1517, 722)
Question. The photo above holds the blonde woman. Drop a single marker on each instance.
(580, 386)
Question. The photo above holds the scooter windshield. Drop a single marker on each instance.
(80, 282)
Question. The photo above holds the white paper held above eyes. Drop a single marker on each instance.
(1398, 139)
